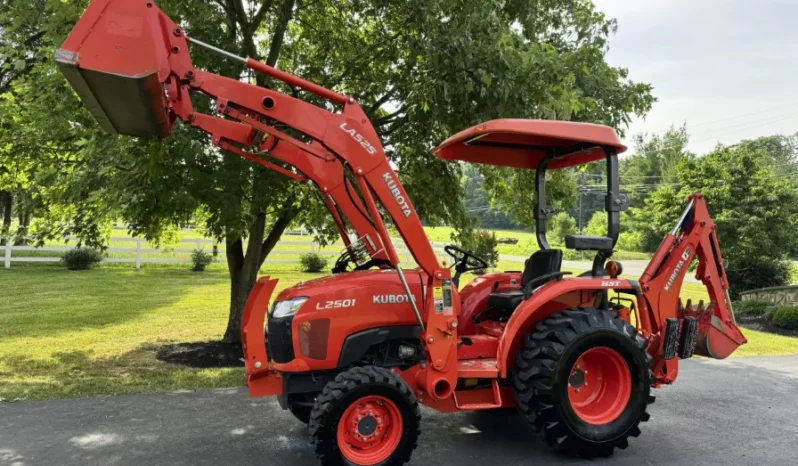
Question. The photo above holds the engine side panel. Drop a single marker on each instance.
(344, 305)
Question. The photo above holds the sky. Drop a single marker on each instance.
(728, 68)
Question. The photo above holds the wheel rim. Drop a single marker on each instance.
(370, 430)
(599, 385)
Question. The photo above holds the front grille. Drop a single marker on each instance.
(279, 341)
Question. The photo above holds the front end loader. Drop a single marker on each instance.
(354, 354)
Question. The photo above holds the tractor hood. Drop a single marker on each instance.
(362, 286)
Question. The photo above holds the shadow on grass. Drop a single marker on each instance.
(46, 301)
(77, 374)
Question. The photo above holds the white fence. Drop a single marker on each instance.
(205, 244)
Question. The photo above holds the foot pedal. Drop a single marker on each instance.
(688, 338)
(671, 338)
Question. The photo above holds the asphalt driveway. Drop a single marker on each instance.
(743, 411)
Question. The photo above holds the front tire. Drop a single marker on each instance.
(367, 416)
(583, 379)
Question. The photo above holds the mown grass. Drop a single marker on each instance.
(75, 334)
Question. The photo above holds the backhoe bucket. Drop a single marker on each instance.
(117, 60)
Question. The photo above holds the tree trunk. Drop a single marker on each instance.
(244, 267)
(22, 231)
(7, 204)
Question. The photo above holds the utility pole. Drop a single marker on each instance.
(579, 192)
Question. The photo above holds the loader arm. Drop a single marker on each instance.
(718, 335)
(130, 64)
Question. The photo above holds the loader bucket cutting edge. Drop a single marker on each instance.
(129, 105)
(116, 59)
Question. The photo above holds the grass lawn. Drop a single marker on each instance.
(75, 334)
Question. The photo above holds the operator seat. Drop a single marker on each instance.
(540, 263)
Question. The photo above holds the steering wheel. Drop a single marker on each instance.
(465, 261)
(346, 260)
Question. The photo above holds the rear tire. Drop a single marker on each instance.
(367, 416)
(553, 368)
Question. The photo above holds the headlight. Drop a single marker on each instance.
(287, 308)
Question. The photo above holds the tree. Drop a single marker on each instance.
(560, 226)
(421, 69)
(477, 204)
(755, 209)
(21, 37)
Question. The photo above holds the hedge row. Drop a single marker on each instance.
(781, 316)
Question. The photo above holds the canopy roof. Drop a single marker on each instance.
(524, 143)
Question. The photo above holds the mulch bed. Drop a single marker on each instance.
(202, 354)
(761, 324)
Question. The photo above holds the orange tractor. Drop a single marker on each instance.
(355, 353)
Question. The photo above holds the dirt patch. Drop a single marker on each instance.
(760, 323)
(202, 354)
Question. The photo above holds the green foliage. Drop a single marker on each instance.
(754, 308)
(786, 317)
(482, 243)
(81, 258)
(630, 241)
(560, 226)
(200, 260)
(478, 205)
(313, 262)
(597, 226)
(755, 209)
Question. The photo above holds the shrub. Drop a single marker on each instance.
(751, 273)
(312, 262)
(201, 260)
(482, 244)
(754, 308)
(81, 258)
(786, 317)
(560, 226)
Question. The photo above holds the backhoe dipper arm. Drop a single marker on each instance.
(661, 283)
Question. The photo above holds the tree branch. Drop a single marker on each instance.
(385, 98)
(257, 20)
(390, 117)
(279, 227)
(241, 15)
(285, 15)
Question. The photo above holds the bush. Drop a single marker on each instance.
(597, 225)
(312, 262)
(752, 273)
(560, 226)
(81, 258)
(786, 317)
(201, 260)
(482, 244)
(754, 308)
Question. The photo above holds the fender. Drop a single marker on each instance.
(262, 380)
(548, 299)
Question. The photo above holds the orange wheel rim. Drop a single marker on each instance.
(599, 386)
(370, 430)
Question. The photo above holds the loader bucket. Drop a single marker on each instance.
(116, 59)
